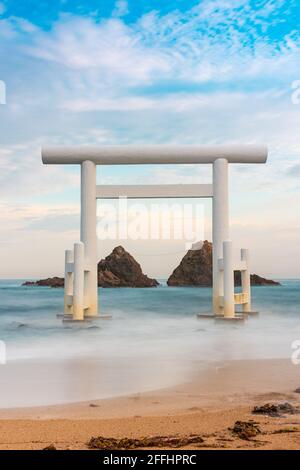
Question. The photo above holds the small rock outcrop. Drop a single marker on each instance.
(119, 269)
(195, 269)
(50, 282)
(256, 280)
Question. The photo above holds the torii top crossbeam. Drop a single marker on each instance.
(154, 154)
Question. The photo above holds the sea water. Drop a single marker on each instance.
(153, 340)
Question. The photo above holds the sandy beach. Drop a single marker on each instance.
(208, 406)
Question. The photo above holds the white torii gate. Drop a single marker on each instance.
(81, 286)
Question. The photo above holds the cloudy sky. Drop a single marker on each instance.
(182, 72)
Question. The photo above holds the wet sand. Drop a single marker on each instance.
(209, 405)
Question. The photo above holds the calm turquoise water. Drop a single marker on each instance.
(152, 340)
(146, 321)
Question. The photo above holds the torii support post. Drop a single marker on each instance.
(78, 292)
(68, 290)
(88, 235)
(229, 311)
(220, 227)
(246, 281)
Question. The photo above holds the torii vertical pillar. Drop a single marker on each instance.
(220, 227)
(88, 235)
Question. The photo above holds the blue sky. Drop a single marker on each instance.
(102, 72)
(44, 13)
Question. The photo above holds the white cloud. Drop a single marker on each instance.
(108, 65)
(22, 174)
(214, 41)
(107, 52)
(121, 8)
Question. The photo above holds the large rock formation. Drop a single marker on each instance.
(119, 269)
(195, 269)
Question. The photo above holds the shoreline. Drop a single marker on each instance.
(219, 384)
(210, 404)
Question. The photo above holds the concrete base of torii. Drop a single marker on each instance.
(89, 319)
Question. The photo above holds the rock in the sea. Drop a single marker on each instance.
(119, 269)
(195, 269)
(256, 280)
(50, 282)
